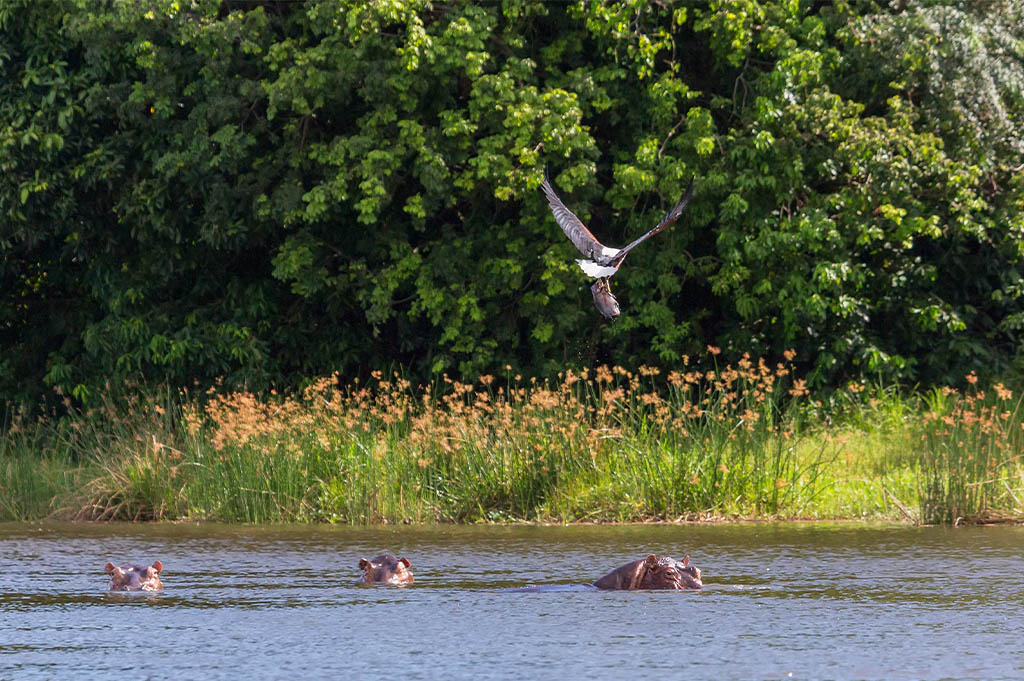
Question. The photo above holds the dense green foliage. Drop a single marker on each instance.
(266, 191)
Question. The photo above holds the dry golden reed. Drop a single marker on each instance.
(607, 443)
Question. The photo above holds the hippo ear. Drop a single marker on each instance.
(363, 564)
(109, 568)
(158, 566)
(686, 561)
(650, 561)
(405, 562)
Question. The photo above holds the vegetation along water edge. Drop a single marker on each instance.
(739, 441)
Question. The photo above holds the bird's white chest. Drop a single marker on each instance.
(592, 269)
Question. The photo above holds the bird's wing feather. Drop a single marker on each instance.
(667, 221)
(577, 232)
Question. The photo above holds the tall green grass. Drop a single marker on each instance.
(37, 473)
(608, 445)
(970, 455)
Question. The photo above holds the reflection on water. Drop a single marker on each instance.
(804, 601)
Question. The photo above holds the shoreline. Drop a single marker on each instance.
(743, 445)
(41, 523)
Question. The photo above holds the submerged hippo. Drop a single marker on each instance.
(386, 569)
(653, 572)
(135, 577)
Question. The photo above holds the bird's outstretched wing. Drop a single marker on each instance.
(667, 221)
(577, 232)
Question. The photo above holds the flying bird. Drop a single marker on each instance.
(600, 261)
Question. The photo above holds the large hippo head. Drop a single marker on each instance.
(653, 572)
(135, 577)
(386, 569)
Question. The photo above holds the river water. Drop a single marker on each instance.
(783, 601)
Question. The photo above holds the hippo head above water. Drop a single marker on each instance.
(135, 577)
(653, 572)
(386, 569)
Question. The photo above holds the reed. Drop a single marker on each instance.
(970, 451)
(37, 470)
(745, 440)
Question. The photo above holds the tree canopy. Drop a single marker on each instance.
(259, 192)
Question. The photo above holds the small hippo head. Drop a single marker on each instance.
(386, 569)
(668, 573)
(135, 577)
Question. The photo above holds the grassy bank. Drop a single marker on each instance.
(609, 445)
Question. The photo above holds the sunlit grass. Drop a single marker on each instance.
(745, 440)
(970, 454)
